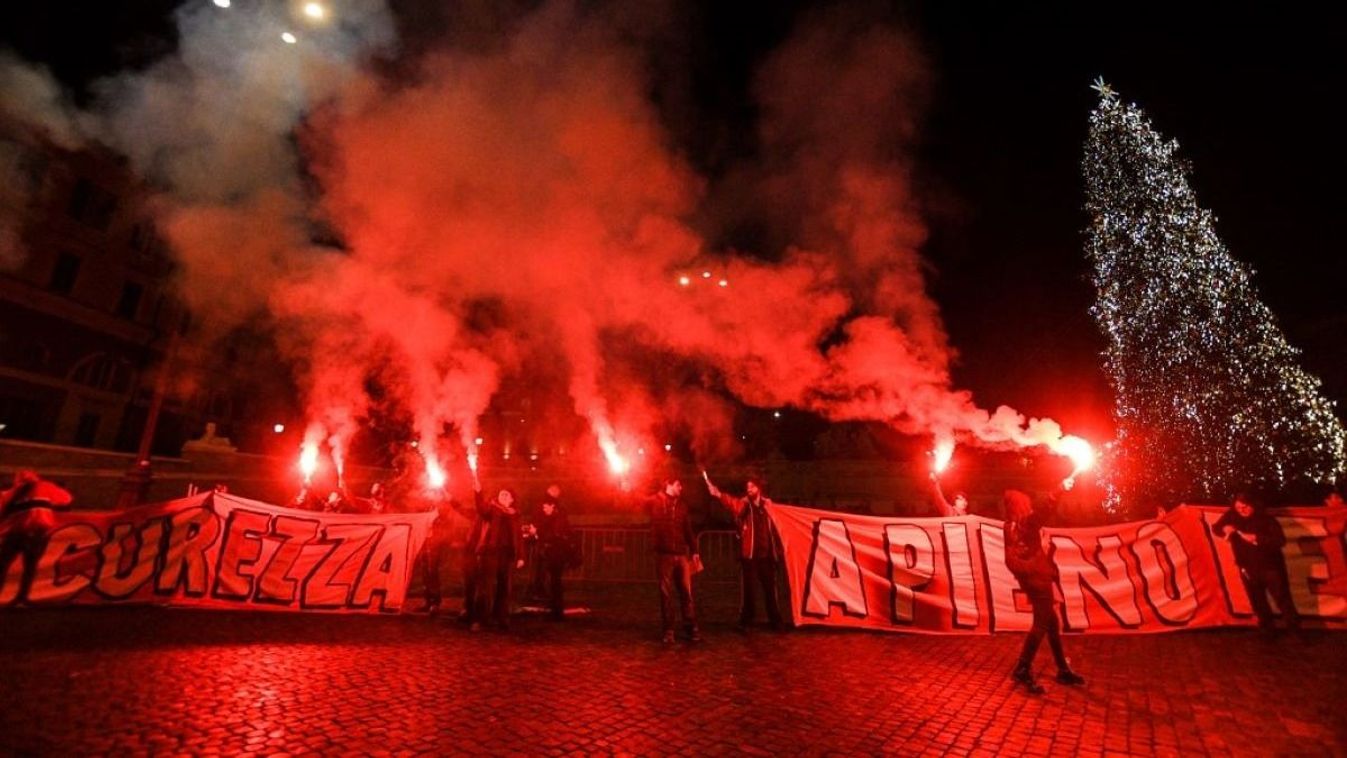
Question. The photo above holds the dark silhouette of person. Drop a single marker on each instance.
(1037, 574)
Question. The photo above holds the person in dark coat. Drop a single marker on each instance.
(1037, 574)
(496, 546)
(27, 516)
(758, 551)
(1257, 540)
(676, 557)
(552, 531)
(430, 562)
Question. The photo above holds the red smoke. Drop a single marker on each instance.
(532, 177)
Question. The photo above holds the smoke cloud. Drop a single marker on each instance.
(530, 177)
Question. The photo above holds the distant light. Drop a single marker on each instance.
(278, 428)
(724, 282)
(477, 441)
(288, 38)
(3, 426)
(776, 414)
(684, 281)
(667, 447)
(415, 443)
(640, 451)
(315, 11)
(706, 274)
(221, 3)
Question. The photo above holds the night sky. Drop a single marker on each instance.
(1249, 93)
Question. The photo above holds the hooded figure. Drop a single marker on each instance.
(1037, 574)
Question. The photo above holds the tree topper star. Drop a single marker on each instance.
(1103, 88)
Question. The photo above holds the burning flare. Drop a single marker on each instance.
(308, 461)
(618, 464)
(941, 455)
(1079, 451)
(435, 476)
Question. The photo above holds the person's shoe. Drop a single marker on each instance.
(1026, 677)
(1067, 676)
(695, 635)
(668, 638)
(475, 626)
(741, 627)
(432, 609)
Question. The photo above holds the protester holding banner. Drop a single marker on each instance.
(758, 552)
(1257, 540)
(676, 556)
(1037, 574)
(26, 517)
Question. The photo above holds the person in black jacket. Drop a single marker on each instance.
(431, 558)
(553, 549)
(1257, 539)
(758, 551)
(1037, 574)
(494, 549)
(676, 556)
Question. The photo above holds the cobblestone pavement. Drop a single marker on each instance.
(145, 680)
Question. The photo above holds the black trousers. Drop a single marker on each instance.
(1046, 624)
(1258, 583)
(553, 570)
(429, 563)
(471, 583)
(28, 544)
(758, 573)
(675, 575)
(495, 569)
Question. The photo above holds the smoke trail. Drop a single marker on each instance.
(529, 175)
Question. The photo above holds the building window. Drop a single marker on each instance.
(63, 276)
(129, 304)
(87, 430)
(103, 372)
(91, 205)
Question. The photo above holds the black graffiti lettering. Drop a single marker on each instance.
(1104, 575)
(185, 565)
(962, 588)
(911, 556)
(1165, 570)
(833, 577)
(239, 552)
(114, 582)
(276, 584)
(48, 585)
(333, 579)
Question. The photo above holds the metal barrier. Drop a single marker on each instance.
(625, 555)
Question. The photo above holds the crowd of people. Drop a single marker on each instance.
(498, 541)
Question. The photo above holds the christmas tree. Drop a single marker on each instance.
(1210, 398)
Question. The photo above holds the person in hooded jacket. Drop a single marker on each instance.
(1034, 569)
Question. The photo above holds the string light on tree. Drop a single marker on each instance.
(1209, 395)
